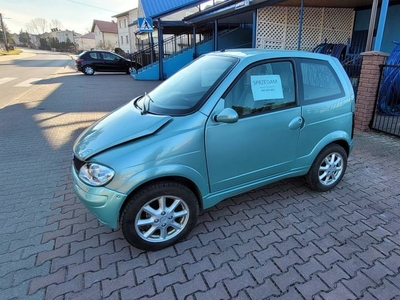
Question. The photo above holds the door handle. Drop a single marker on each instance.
(296, 123)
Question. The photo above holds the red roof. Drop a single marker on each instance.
(89, 35)
(104, 26)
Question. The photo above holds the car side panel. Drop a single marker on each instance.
(322, 119)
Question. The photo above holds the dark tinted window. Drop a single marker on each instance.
(109, 56)
(94, 55)
(320, 81)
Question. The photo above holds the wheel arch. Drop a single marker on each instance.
(178, 179)
(343, 143)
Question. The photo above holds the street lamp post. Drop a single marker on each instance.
(4, 32)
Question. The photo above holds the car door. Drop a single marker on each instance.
(113, 62)
(262, 143)
(325, 106)
(96, 60)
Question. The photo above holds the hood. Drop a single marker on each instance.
(121, 126)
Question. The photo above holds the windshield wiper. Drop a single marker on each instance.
(146, 109)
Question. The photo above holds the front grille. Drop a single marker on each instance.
(77, 163)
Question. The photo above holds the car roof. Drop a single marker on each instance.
(244, 53)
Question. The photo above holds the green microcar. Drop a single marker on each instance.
(227, 123)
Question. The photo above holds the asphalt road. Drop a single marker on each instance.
(18, 74)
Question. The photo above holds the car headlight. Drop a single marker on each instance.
(95, 174)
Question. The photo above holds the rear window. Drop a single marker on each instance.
(93, 55)
(320, 81)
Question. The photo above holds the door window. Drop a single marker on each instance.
(109, 56)
(263, 88)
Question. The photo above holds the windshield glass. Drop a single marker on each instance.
(187, 89)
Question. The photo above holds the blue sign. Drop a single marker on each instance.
(145, 24)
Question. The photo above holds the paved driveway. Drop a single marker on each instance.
(281, 241)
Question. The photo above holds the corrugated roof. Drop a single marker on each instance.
(104, 26)
(155, 9)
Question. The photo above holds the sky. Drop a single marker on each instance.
(77, 15)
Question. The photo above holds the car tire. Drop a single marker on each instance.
(328, 168)
(88, 70)
(158, 215)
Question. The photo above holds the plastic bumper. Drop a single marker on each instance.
(104, 203)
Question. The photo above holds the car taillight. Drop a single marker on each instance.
(79, 60)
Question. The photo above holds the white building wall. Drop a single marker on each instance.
(85, 44)
(133, 41)
(278, 27)
(98, 36)
(110, 40)
(123, 33)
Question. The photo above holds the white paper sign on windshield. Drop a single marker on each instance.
(266, 87)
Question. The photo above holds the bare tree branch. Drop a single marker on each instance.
(37, 26)
(54, 23)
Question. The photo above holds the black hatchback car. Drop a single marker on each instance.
(89, 62)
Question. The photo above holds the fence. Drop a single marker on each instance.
(352, 65)
(386, 116)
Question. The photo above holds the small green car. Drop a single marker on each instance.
(229, 122)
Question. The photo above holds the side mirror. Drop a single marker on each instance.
(228, 115)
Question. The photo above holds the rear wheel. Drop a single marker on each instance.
(159, 215)
(88, 70)
(328, 168)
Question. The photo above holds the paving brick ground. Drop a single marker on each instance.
(282, 241)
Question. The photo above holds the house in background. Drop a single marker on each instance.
(86, 42)
(105, 34)
(126, 34)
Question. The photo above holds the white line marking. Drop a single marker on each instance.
(6, 79)
(28, 83)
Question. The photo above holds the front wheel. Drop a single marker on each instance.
(130, 70)
(328, 168)
(159, 215)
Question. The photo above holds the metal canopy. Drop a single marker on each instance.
(157, 9)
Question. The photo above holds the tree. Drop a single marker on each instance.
(56, 24)
(8, 36)
(24, 38)
(105, 45)
(54, 43)
(44, 45)
(37, 26)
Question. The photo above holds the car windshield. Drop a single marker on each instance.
(187, 89)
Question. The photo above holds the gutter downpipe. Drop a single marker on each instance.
(368, 45)
(215, 35)
(254, 34)
(381, 25)
(300, 25)
(194, 42)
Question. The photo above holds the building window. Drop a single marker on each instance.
(120, 24)
(122, 39)
(125, 21)
(127, 41)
